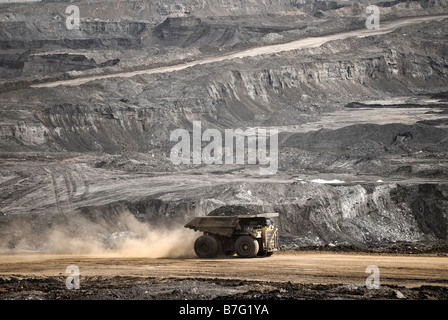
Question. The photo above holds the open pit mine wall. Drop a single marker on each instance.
(323, 214)
(158, 10)
(315, 214)
(309, 214)
(27, 37)
(139, 114)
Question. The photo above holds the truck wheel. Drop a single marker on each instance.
(206, 247)
(246, 247)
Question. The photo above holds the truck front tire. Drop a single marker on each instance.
(246, 247)
(206, 246)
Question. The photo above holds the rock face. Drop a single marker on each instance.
(362, 145)
(371, 215)
(127, 116)
(41, 65)
(87, 202)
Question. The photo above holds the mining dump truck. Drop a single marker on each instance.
(246, 235)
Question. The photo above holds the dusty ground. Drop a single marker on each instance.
(286, 275)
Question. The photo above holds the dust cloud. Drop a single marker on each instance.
(116, 235)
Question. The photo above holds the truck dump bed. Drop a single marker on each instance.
(222, 225)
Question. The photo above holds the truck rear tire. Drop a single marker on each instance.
(206, 246)
(246, 247)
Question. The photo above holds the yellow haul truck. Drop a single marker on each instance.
(246, 235)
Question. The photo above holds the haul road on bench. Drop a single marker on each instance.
(246, 235)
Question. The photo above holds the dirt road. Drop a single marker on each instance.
(310, 42)
(44, 275)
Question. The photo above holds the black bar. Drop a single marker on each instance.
(223, 309)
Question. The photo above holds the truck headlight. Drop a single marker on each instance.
(258, 234)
